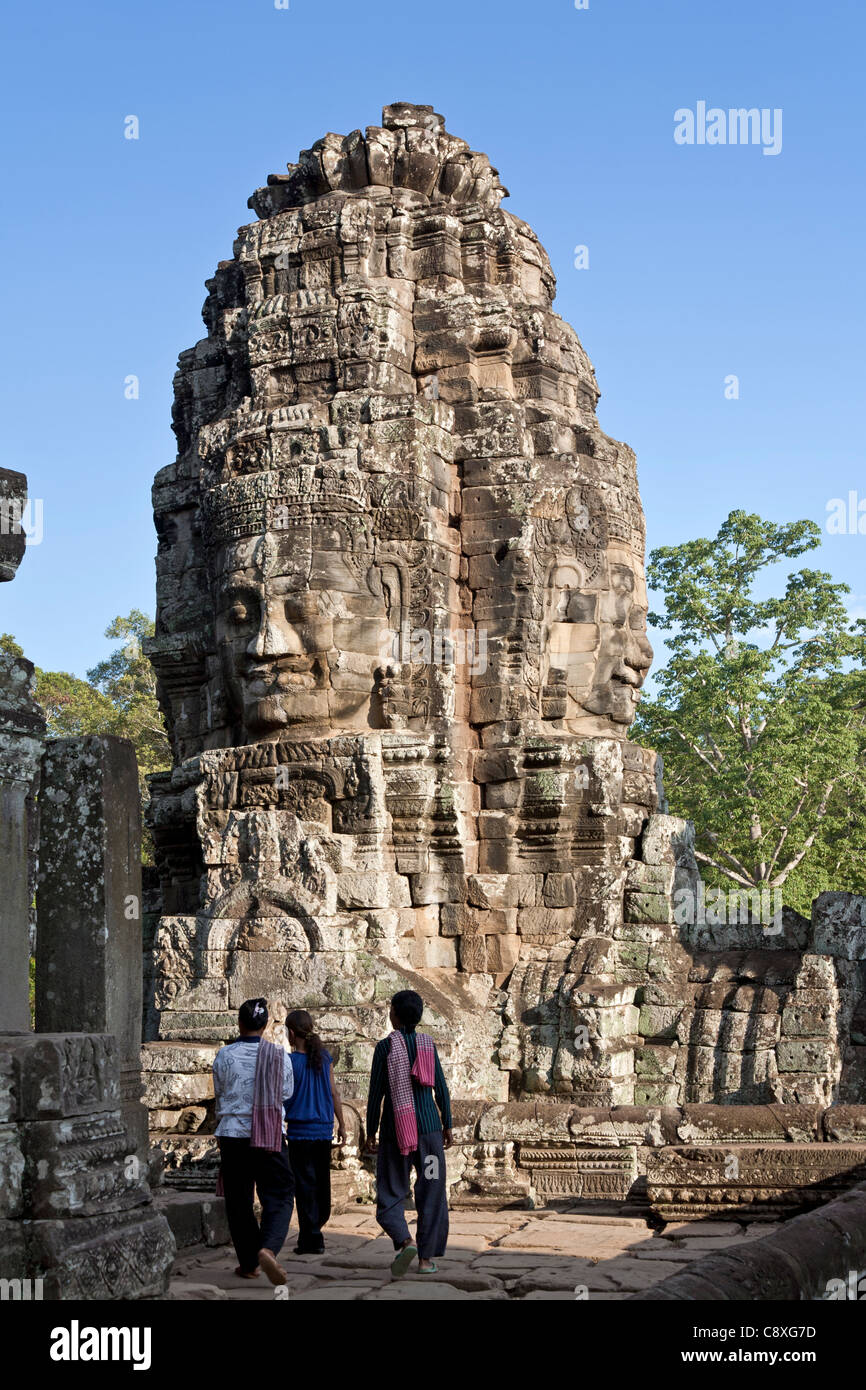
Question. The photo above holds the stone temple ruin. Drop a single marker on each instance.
(400, 640)
(76, 1216)
(401, 634)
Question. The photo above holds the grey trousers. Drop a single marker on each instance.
(431, 1201)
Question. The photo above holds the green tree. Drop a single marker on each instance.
(72, 706)
(127, 681)
(760, 713)
(118, 697)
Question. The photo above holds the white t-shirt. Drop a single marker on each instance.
(234, 1070)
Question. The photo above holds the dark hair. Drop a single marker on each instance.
(408, 1006)
(253, 1015)
(301, 1024)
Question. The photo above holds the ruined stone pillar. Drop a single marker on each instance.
(21, 733)
(88, 967)
(22, 729)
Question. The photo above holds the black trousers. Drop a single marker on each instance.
(311, 1166)
(247, 1170)
(393, 1174)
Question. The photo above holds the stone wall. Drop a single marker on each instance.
(651, 1017)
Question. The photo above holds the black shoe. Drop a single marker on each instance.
(310, 1249)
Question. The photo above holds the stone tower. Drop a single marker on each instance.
(401, 633)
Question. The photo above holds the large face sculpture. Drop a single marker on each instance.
(595, 651)
(299, 619)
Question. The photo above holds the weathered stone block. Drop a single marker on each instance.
(659, 1021)
(665, 839)
(633, 960)
(502, 890)
(437, 888)
(758, 1181)
(172, 1088)
(523, 1122)
(648, 907)
(119, 1255)
(545, 923)
(730, 1077)
(89, 903)
(808, 1020)
(11, 1174)
(503, 953)
(13, 1251)
(625, 1124)
(656, 1092)
(650, 878)
(812, 973)
(84, 1166)
(713, 1124)
(844, 1124)
(654, 1063)
(89, 897)
(797, 1088)
(839, 925)
(356, 890)
(559, 890)
(189, 1058)
(52, 1076)
(806, 1055)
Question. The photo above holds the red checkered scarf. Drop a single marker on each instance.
(266, 1130)
(400, 1084)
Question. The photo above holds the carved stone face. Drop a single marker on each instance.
(596, 655)
(298, 629)
(625, 655)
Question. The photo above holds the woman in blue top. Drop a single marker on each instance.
(310, 1130)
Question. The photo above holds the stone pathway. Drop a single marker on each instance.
(491, 1255)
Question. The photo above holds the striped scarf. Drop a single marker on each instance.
(266, 1130)
(400, 1085)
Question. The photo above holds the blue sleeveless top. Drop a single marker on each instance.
(310, 1112)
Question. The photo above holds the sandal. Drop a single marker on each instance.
(431, 1269)
(246, 1273)
(401, 1263)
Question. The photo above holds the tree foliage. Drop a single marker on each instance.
(118, 697)
(760, 713)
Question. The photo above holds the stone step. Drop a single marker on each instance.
(194, 1217)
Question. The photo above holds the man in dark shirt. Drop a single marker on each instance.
(433, 1125)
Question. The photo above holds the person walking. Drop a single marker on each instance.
(310, 1129)
(409, 1092)
(252, 1080)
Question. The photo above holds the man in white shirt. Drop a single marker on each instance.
(245, 1169)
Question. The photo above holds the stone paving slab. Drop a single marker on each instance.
(559, 1280)
(492, 1256)
(187, 1292)
(686, 1230)
(666, 1251)
(338, 1293)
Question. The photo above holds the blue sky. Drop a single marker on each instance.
(703, 261)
